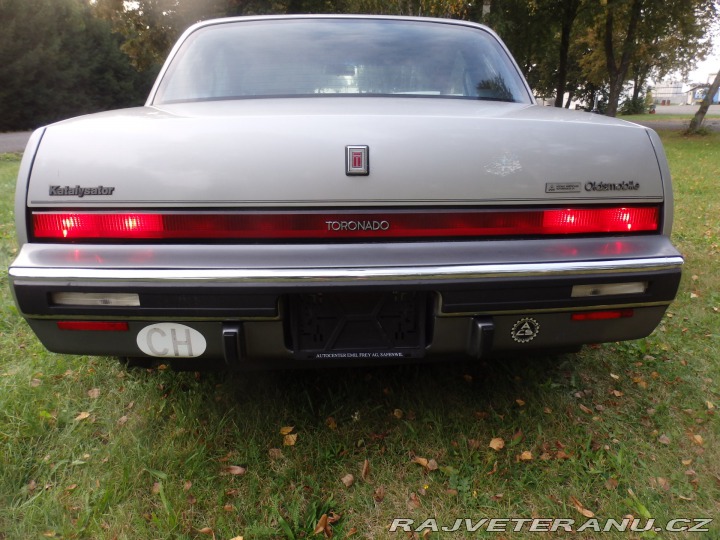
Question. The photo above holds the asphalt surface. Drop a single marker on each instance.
(15, 142)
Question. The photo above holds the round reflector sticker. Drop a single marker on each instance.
(525, 330)
(171, 340)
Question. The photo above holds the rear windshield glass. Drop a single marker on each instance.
(323, 57)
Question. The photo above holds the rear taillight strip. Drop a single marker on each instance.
(251, 225)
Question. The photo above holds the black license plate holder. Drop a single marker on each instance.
(358, 326)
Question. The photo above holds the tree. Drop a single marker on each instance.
(699, 118)
(651, 35)
(58, 60)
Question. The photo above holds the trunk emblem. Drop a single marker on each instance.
(357, 160)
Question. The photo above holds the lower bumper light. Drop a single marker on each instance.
(603, 315)
(95, 299)
(94, 326)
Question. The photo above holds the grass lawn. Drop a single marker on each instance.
(90, 450)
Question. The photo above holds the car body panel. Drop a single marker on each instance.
(213, 155)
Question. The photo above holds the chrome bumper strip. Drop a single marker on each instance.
(284, 276)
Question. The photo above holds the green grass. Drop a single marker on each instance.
(675, 118)
(89, 450)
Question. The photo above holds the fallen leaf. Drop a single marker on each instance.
(235, 470)
(526, 456)
(290, 439)
(348, 480)
(663, 483)
(520, 402)
(71, 487)
(687, 462)
(331, 423)
(664, 439)
(433, 466)
(286, 430)
(187, 485)
(493, 470)
(379, 494)
(423, 462)
(94, 393)
(208, 531)
(545, 456)
(616, 377)
(333, 517)
(413, 501)
(547, 410)
(585, 409)
(617, 393)
(322, 524)
(473, 444)
(697, 439)
(397, 413)
(497, 444)
(156, 488)
(353, 531)
(275, 453)
(496, 497)
(229, 507)
(83, 416)
(35, 383)
(611, 483)
(365, 473)
(710, 405)
(122, 420)
(580, 508)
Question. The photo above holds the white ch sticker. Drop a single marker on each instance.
(171, 340)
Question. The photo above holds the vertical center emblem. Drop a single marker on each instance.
(357, 160)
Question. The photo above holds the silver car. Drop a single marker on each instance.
(301, 190)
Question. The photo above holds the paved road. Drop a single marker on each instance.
(13, 142)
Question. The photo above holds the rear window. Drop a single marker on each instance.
(323, 57)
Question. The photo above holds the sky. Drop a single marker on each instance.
(706, 68)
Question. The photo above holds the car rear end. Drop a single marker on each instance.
(351, 223)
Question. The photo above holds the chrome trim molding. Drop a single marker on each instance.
(280, 276)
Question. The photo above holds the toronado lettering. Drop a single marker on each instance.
(358, 225)
(79, 191)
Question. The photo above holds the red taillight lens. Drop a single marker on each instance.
(253, 225)
(603, 315)
(94, 326)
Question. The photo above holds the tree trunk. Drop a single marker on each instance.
(697, 121)
(570, 9)
(618, 72)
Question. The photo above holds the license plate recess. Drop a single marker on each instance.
(377, 325)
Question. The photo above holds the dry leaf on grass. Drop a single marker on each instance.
(290, 439)
(497, 444)
(581, 508)
(379, 494)
(427, 464)
(83, 416)
(94, 393)
(365, 473)
(286, 430)
(348, 480)
(235, 470)
(526, 456)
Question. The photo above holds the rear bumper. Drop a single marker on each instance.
(246, 287)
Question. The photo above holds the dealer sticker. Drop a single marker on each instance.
(562, 187)
(171, 340)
